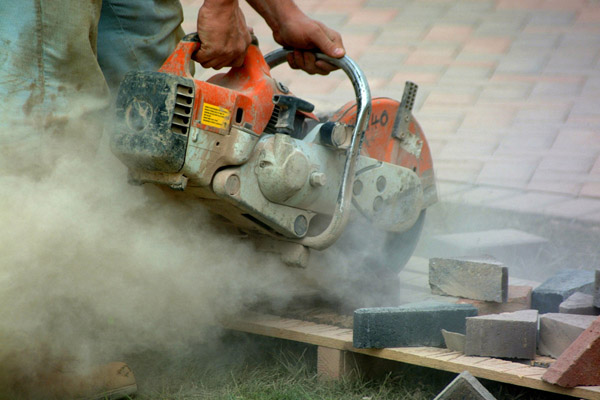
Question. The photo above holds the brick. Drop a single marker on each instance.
(578, 364)
(449, 33)
(574, 207)
(482, 278)
(506, 245)
(508, 172)
(519, 298)
(413, 324)
(454, 341)
(558, 331)
(373, 16)
(579, 303)
(547, 297)
(488, 45)
(465, 386)
(529, 202)
(506, 335)
(597, 288)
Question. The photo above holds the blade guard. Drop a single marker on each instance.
(393, 135)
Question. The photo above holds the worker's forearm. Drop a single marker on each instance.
(275, 11)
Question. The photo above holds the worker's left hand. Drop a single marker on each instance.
(303, 33)
(224, 35)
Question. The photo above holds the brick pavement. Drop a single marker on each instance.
(508, 90)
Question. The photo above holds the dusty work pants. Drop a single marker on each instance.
(58, 58)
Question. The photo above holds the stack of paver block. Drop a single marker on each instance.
(488, 321)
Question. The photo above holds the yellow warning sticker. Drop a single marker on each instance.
(215, 116)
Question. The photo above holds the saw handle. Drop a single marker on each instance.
(179, 61)
(341, 213)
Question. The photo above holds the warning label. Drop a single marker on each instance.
(215, 116)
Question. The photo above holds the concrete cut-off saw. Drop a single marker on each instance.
(250, 151)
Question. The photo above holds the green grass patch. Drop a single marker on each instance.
(247, 367)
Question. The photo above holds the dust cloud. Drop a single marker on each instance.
(92, 268)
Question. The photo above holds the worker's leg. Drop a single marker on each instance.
(137, 35)
(51, 85)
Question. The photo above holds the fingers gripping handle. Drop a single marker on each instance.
(179, 61)
(341, 212)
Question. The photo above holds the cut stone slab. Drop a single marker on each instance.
(465, 387)
(454, 341)
(579, 303)
(558, 331)
(597, 289)
(507, 245)
(477, 278)
(506, 335)
(413, 324)
(578, 364)
(547, 297)
(519, 298)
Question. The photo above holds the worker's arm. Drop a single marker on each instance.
(225, 36)
(292, 28)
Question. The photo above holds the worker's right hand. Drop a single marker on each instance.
(223, 33)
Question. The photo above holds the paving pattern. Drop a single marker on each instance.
(508, 94)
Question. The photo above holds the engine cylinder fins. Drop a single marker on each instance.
(182, 111)
(409, 95)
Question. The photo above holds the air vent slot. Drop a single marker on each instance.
(270, 128)
(182, 112)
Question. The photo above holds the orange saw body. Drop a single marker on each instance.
(254, 153)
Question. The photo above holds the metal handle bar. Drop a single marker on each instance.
(341, 213)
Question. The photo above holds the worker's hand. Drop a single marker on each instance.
(224, 35)
(304, 33)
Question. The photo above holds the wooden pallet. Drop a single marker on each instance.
(334, 343)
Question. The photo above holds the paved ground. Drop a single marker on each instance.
(508, 91)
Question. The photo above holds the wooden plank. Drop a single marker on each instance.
(341, 339)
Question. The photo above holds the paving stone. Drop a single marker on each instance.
(483, 278)
(579, 303)
(578, 364)
(558, 331)
(454, 341)
(506, 245)
(547, 297)
(465, 387)
(506, 335)
(519, 298)
(597, 288)
(530, 202)
(413, 324)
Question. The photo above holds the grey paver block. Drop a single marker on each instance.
(506, 335)
(547, 297)
(482, 278)
(454, 341)
(465, 387)
(558, 331)
(413, 324)
(579, 303)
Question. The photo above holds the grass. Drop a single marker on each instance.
(247, 367)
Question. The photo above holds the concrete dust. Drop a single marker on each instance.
(92, 268)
